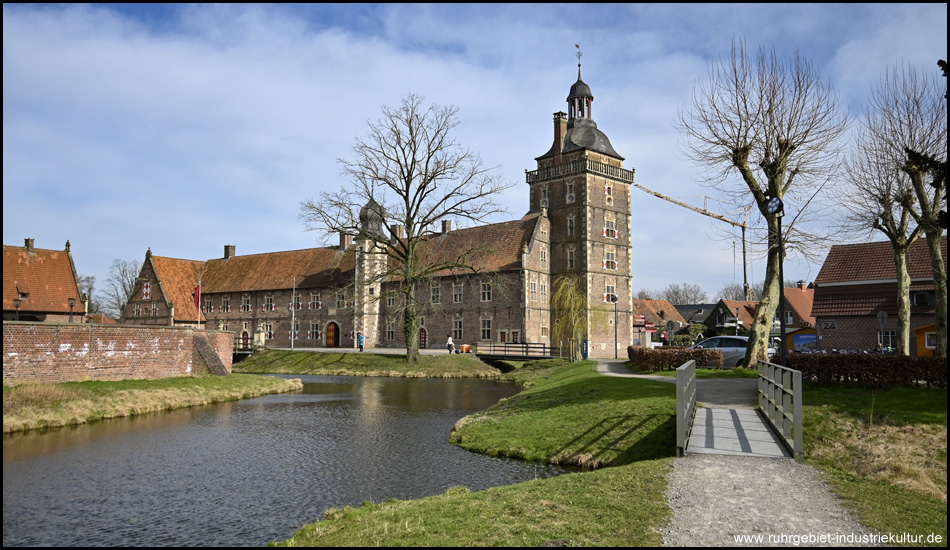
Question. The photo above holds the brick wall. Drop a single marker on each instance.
(50, 352)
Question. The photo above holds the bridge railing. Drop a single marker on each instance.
(685, 404)
(780, 400)
(521, 349)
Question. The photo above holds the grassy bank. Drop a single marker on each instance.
(365, 364)
(32, 406)
(884, 452)
(567, 414)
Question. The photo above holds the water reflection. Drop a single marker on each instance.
(247, 472)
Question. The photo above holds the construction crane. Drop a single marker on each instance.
(745, 278)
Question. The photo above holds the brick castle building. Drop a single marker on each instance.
(577, 226)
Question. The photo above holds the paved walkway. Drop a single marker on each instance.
(728, 422)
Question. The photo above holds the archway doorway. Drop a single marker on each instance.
(245, 340)
(333, 335)
(423, 339)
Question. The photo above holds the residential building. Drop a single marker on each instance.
(41, 285)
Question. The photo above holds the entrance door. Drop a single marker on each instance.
(245, 340)
(423, 338)
(333, 335)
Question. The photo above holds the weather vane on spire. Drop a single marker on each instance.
(579, 53)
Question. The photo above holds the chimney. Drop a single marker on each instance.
(29, 246)
(399, 232)
(560, 128)
(229, 251)
(446, 226)
(802, 285)
(346, 241)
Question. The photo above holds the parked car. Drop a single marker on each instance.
(733, 349)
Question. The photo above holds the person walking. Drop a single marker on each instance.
(360, 340)
(449, 344)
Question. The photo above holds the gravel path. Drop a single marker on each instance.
(716, 498)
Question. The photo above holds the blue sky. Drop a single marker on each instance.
(185, 128)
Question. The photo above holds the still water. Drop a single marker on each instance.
(248, 472)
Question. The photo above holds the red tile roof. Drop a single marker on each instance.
(800, 300)
(874, 261)
(178, 279)
(48, 276)
(312, 268)
(746, 310)
(651, 309)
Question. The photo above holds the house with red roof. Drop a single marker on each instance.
(650, 318)
(857, 286)
(41, 285)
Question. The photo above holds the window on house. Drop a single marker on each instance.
(435, 293)
(789, 318)
(609, 191)
(570, 259)
(225, 304)
(295, 301)
(570, 226)
(390, 330)
(610, 260)
(245, 303)
(457, 294)
(341, 300)
(224, 326)
(544, 256)
(544, 331)
(268, 303)
(486, 292)
(570, 193)
(137, 309)
(486, 329)
(887, 338)
(609, 292)
(314, 302)
(391, 300)
(610, 229)
(544, 291)
(457, 329)
(155, 309)
(208, 307)
(268, 331)
(544, 198)
(314, 332)
(534, 291)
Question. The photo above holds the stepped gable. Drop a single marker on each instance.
(178, 279)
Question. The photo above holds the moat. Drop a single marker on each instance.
(248, 472)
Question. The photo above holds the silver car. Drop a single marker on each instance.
(733, 349)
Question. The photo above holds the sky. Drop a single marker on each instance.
(184, 128)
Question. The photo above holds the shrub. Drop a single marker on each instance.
(653, 360)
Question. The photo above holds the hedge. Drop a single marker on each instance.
(671, 358)
(870, 370)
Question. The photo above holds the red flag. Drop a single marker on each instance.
(198, 296)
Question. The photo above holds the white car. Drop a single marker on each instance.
(733, 349)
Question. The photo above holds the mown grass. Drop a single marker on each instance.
(365, 364)
(33, 406)
(705, 374)
(884, 452)
(567, 414)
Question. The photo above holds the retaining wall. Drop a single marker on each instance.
(63, 352)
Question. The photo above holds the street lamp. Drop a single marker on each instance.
(777, 207)
(17, 303)
(72, 304)
(613, 298)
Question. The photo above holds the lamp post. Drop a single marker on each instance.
(613, 299)
(72, 304)
(777, 207)
(17, 303)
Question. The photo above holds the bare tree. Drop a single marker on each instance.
(685, 294)
(906, 130)
(766, 128)
(408, 174)
(87, 289)
(119, 286)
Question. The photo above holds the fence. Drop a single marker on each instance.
(780, 400)
(518, 349)
(685, 404)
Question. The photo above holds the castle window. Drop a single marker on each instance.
(570, 226)
(610, 229)
(534, 291)
(570, 259)
(295, 301)
(486, 329)
(544, 256)
(268, 303)
(208, 307)
(137, 309)
(544, 331)
(609, 192)
(486, 292)
(314, 302)
(390, 330)
(457, 294)
(610, 260)
(245, 303)
(268, 331)
(609, 293)
(435, 293)
(544, 291)
(225, 304)
(544, 198)
(340, 301)
(570, 193)
(155, 309)
(314, 332)
(457, 329)
(391, 300)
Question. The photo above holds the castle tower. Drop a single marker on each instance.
(586, 191)
(370, 264)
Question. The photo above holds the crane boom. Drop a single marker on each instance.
(745, 278)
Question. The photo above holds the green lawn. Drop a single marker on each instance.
(365, 364)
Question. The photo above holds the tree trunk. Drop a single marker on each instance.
(934, 239)
(411, 329)
(761, 331)
(903, 300)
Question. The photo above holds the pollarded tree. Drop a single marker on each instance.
(408, 174)
(907, 127)
(766, 128)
